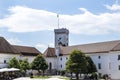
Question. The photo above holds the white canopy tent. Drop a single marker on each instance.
(8, 69)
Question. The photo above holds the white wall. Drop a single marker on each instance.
(30, 58)
(109, 63)
(62, 62)
(114, 67)
(53, 61)
(103, 60)
(7, 57)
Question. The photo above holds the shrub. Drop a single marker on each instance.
(105, 76)
(63, 72)
(94, 76)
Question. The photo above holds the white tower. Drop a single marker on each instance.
(61, 37)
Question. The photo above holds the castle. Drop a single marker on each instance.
(105, 55)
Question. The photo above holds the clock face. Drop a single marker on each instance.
(59, 39)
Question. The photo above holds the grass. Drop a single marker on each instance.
(42, 77)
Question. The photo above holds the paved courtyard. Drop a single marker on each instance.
(28, 78)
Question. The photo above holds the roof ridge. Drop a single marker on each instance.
(93, 43)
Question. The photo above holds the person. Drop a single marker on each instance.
(31, 75)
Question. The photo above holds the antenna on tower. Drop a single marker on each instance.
(58, 20)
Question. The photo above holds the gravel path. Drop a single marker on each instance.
(28, 78)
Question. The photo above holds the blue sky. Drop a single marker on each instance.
(32, 22)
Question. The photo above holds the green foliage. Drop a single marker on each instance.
(90, 65)
(39, 63)
(105, 76)
(94, 76)
(62, 72)
(77, 63)
(14, 63)
(24, 65)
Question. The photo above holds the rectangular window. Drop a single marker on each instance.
(99, 66)
(99, 57)
(61, 66)
(61, 59)
(4, 61)
(118, 57)
(119, 67)
(109, 65)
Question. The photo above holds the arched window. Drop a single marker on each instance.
(50, 66)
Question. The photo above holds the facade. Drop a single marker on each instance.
(105, 55)
(8, 51)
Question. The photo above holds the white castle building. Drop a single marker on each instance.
(8, 51)
(105, 55)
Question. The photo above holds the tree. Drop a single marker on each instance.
(14, 63)
(76, 63)
(90, 65)
(24, 65)
(39, 63)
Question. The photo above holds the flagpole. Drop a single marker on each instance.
(58, 20)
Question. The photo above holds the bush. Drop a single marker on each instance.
(63, 72)
(94, 76)
(105, 76)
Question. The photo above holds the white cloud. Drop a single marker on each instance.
(24, 19)
(43, 47)
(114, 7)
(14, 41)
